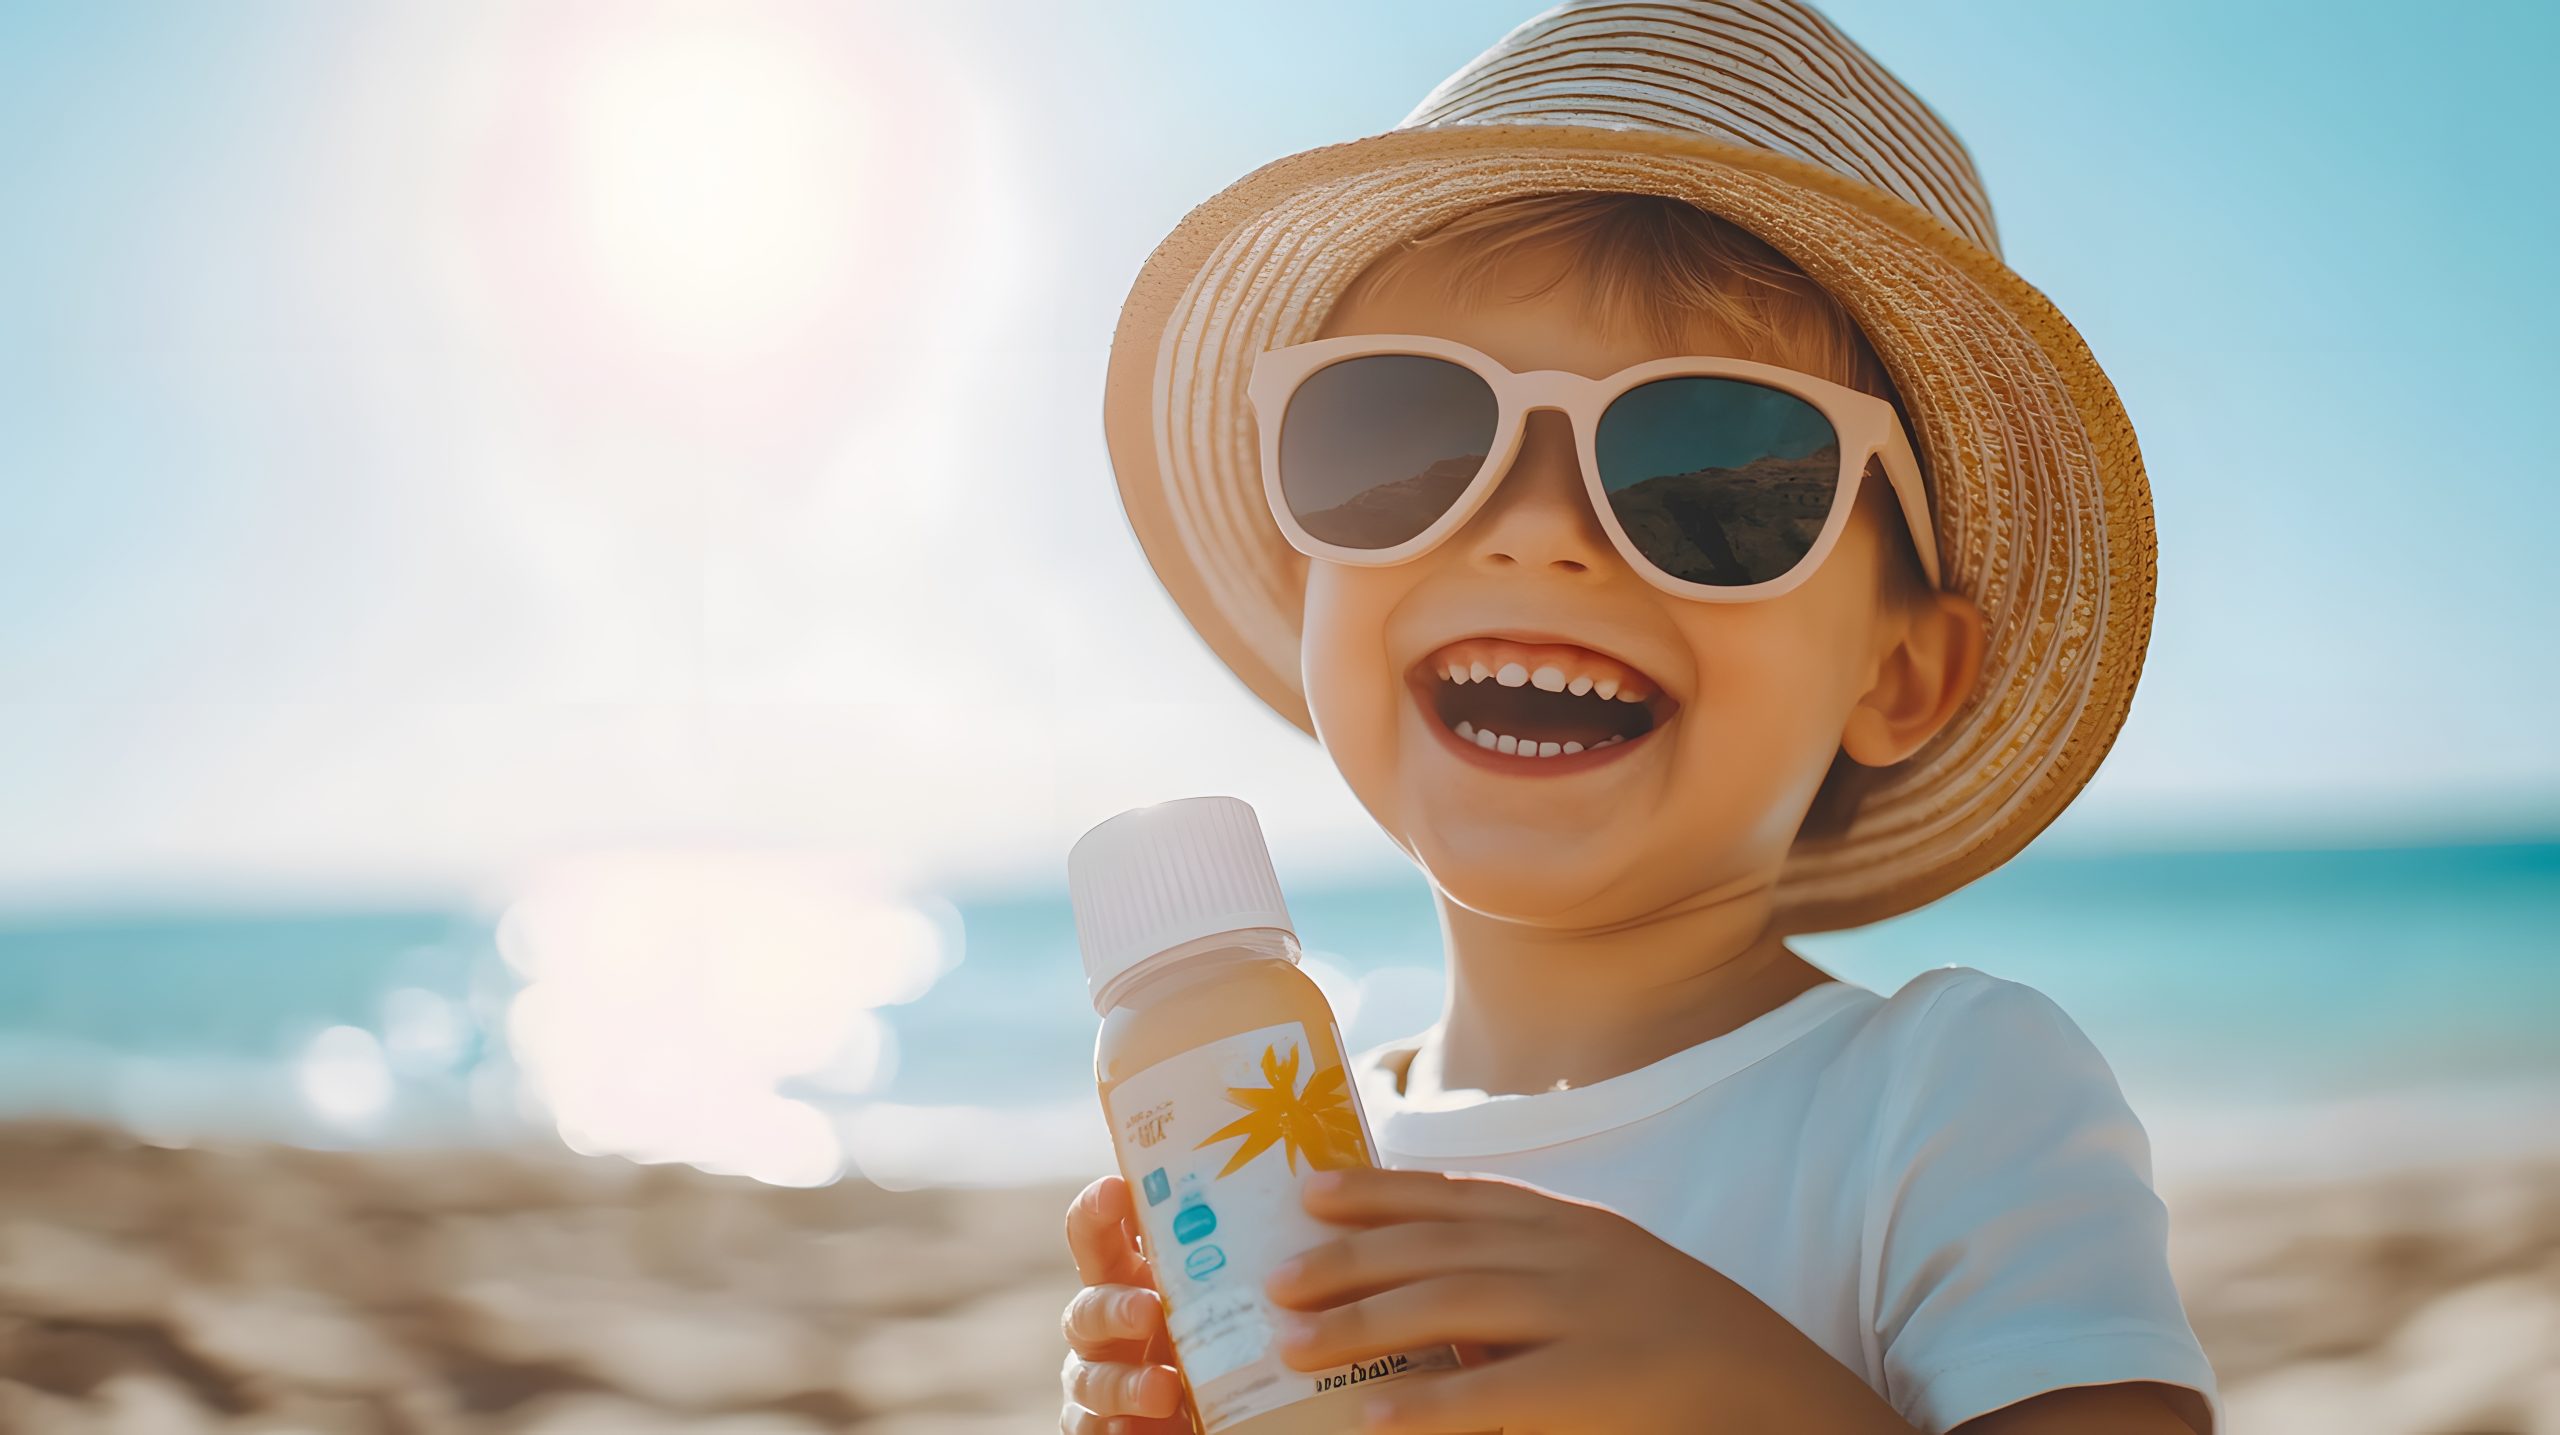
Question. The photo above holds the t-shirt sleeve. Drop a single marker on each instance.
(2013, 1241)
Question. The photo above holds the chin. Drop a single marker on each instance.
(1518, 874)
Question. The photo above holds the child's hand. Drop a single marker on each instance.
(1119, 1373)
(1586, 1321)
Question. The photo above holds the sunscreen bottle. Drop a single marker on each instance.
(1221, 1073)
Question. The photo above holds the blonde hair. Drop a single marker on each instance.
(1656, 265)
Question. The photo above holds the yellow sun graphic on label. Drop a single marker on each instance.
(1317, 1122)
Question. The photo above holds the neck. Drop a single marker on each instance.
(1535, 1008)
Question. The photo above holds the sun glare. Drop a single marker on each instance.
(720, 178)
(344, 1078)
(669, 996)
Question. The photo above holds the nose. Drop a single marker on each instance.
(1539, 516)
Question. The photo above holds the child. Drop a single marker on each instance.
(1649, 659)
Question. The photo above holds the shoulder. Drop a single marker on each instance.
(1977, 1065)
(1957, 1047)
(1957, 997)
(1962, 1018)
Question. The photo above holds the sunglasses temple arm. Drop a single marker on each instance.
(1902, 470)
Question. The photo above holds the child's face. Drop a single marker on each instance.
(1760, 695)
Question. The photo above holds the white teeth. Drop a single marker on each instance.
(1549, 677)
(1520, 747)
(1523, 747)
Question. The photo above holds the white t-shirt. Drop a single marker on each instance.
(1944, 1188)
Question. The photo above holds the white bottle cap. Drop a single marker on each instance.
(1155, 877)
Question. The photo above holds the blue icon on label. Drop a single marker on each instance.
(1193, 1223)
(1157, 1186)
(1202, 1261)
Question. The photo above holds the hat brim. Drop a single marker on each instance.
(2043, 511)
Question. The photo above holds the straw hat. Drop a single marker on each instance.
(1761, 112)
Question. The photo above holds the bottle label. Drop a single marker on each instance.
(1214, 1142)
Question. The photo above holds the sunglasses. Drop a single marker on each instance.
(1718, 479)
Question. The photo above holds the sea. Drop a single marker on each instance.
(2270, 1009)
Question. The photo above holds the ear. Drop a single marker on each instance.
(1932, 656)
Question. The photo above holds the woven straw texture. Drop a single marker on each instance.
(1762, 112)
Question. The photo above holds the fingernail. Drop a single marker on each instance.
(1378, 1411)
(1286, 1271)
(1321, 1182)
(1293, 1327)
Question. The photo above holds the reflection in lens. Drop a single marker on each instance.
(1374, 448)
(1718, 481)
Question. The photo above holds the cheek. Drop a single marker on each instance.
(1775, 683)
(1351, 690)
(1799, 663)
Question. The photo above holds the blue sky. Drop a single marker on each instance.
(438, 436)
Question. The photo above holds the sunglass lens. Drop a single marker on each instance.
(1718, 481)
(1374, 448)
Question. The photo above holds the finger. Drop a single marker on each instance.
(1076, 1420)
(1098, 1235)
(1101, 1319)
(1377, 1257)
(1515, 1394)
(1112, 1387)
(1374, 1195)
(1504, 1309)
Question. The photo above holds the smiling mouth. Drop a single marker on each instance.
(1537, 700)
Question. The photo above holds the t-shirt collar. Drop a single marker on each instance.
(1520, 1121)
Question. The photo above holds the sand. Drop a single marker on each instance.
(149, 1291)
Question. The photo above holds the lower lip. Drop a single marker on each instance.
(1511, 764)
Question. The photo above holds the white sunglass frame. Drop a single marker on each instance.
(1867, 426)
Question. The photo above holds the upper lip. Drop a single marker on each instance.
(1652, 674)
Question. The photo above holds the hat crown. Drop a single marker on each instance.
(1767, 74)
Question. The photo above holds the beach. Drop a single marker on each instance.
(261, 1290)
